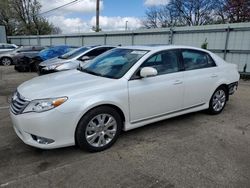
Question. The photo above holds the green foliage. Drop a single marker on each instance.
(22, 17)
(204, 44)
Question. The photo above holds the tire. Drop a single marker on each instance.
(218, 100)
(6, 61)
(94, 125)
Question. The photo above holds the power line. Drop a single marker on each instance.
(70, 3)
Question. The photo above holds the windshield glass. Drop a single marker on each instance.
(114, 63)
(74, 53)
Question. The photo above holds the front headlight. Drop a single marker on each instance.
(52, 67)
(42, 105)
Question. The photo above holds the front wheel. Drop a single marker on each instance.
(98, 129)
(218, 100)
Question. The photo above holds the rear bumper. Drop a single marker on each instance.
(232, 88)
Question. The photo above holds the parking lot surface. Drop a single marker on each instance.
(194, 150)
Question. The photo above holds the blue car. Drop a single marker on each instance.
(54, 51)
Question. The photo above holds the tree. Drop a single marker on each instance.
(238, 10)
(159, 17)
(192, 12)
(28, 18)
(6, 18)
(197, 12)
(22, 17)
(180, 12)
(152, 18)
(220, 15)
(56, 30)
(232, 11)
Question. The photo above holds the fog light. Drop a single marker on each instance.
(42, 140)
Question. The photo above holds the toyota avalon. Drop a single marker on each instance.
(122, 89)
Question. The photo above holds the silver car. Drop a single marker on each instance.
(72, 59)
(14, 56)
(4, 47)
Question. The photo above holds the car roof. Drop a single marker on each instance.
(99, 46)
(161, 47)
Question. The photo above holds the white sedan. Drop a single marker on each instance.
(122, 89)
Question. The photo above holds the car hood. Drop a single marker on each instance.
(54, 61)
(60, 84)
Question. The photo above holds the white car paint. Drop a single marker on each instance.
(142, 101)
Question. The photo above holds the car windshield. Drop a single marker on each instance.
(114, 63)
(74, 53)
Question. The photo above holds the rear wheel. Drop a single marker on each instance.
(218, 100)
(6, 61)
(98, 129)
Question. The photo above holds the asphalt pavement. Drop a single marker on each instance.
(194, 150)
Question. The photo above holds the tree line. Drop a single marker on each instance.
(22, 17)
(197, 12)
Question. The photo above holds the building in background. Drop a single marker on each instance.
(3, 38)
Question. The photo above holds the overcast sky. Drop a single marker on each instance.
(80, 16)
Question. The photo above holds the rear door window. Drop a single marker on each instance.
(194, 59)
(7, 46)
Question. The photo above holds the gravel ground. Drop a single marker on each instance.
(194, 150)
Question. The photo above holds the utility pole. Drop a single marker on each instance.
(97, 28)
(126, 25)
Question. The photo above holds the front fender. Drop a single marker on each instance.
(90, 104)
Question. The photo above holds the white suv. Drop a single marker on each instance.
(123, 89)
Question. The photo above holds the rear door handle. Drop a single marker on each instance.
(214, 76)
(177, 82)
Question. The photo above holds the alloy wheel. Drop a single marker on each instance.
(101, 130)
(219, 100)
(6, 61)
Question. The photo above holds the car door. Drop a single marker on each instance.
(159, 95)
(200, 77)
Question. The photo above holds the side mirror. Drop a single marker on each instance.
(85, 58)
(148, 72)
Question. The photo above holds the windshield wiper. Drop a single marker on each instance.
(89, 71)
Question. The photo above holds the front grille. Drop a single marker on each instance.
(18, 103)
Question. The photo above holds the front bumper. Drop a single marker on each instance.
(54, 125)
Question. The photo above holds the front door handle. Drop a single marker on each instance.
(177, 82)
